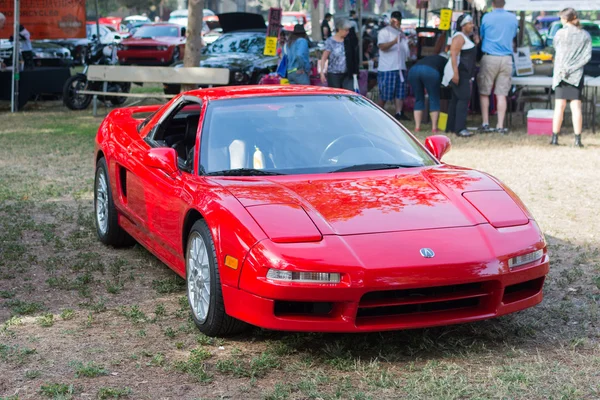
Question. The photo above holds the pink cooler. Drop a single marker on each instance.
(539, 122)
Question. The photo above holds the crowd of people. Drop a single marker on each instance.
(490, 46)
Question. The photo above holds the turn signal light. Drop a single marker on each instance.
(303, 277)
(525, 258)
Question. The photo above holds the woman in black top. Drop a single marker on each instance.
(427, 74)
(463, 55)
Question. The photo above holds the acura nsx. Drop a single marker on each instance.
(305, 208)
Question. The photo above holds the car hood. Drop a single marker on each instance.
(231, 60)
(364, 203)
(155, 41)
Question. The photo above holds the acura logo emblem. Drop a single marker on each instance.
(427, 252)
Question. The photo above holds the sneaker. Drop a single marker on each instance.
(465, 133)
(417, 129)
(402, 117)
(435, 130)
(485, 128)
(502, 131)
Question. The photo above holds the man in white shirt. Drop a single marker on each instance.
(391, 73)
(25, 46)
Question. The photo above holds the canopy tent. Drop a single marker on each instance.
(551, 5)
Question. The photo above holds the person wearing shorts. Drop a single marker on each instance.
(498, 30)
(391, 75)
(573, 47)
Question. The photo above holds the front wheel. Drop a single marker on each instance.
(72, 99)
(107, 222)
(204, 285)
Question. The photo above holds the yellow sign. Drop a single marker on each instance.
(271, 46)
(445, 19)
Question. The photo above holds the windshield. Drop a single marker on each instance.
(238, 43)
(303, 135)
(154, 31)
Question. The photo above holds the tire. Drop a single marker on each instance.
(208, 310)
(121, 88)
(72, 100)
(106, 215)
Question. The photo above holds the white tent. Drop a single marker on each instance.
(551, 5)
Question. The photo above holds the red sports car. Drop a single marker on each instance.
(311, 209)
(153, 44)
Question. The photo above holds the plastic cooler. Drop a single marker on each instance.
(539, 122)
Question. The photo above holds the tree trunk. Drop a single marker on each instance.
(316, 18)
(193, 45)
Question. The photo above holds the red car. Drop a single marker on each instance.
(311, 209)
(153, 44)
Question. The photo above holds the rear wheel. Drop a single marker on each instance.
(124, 87)
(107, 223)
(204, 285)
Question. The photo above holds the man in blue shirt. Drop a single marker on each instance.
(498, 30)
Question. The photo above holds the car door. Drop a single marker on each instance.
(163, 202)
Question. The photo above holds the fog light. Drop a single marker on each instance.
(307, 277)
(525, 258)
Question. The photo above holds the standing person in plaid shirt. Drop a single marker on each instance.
(391, 75)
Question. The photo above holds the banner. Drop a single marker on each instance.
(46, 19)
(272, 32)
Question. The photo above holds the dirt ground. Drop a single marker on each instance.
(82, 320)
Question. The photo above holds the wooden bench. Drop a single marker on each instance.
(168, 75)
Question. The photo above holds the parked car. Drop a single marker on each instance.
(542, 24)
(45, 54)
(291, 18)
(180, 17)
(240, 49)
(312, 209)
(154, 44)
(593, 67)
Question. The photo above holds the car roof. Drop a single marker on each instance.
(233, 92)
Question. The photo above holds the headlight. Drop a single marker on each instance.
(525, 259)
(303, 277)
(239, 77)
(163, 48)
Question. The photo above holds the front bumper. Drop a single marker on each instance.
(415, 293)
(145, 57)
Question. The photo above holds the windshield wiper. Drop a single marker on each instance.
(372, 167)
(243, 172)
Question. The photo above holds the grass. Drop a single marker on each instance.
(88, 370)
(58, 390)
(113, 393)
(66, 297)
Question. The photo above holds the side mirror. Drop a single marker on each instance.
(438, 145)
(183, 31)
(163, 158)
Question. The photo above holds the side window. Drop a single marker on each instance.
(179, 131)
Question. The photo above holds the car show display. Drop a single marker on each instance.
(311, 209)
